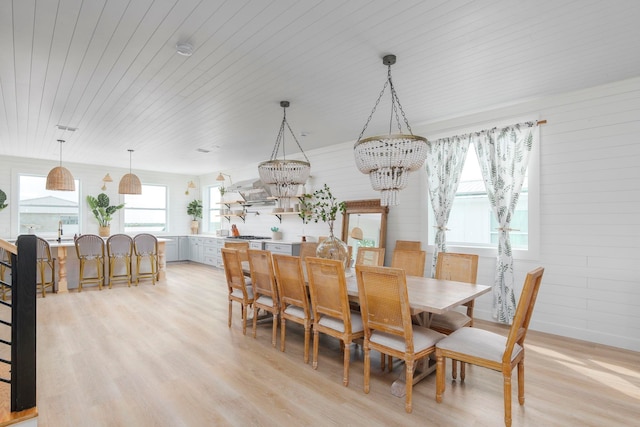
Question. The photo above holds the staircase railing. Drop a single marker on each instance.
(22, 305)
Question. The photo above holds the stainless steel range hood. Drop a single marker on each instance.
(253, 191)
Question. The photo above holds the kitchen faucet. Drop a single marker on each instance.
(59, 231)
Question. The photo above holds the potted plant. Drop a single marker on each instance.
(102, 211)
(194, 209)
(323, 206)
(3, 199)
(276, 234)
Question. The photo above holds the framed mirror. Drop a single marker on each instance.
(364, 223)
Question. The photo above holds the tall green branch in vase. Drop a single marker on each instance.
(321, 205)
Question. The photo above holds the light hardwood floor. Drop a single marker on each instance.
(163, 356)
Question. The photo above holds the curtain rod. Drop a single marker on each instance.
(466, 135)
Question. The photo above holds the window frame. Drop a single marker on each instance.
(165, 209)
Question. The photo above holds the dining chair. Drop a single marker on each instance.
(408, 245)
(239, 290)
(332, 314)
(119, 253)
(459, 268)
(308, 249)
(145, 246)
(242, 248)
(384, 303)
(5, 266)
(90, 251)
(411, 261)
(264, 288)
(491, 350)
(46, 267)
(370, 256)
(294, 300)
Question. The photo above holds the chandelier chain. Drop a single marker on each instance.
(280, 139)
(375, 106)
(396, 100)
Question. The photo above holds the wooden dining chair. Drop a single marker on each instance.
(239, 290)
(384, 303)
(411, 261)
(90, 251)
(408, 245)
(491, 350)
(294, 300)
(119, 253)
(46, 267)
(242, 247)
(5, 266)
(370, 256)
(459, 268)
(332, 314)
(265, 290)
(307, 249)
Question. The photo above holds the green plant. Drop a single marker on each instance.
(101, 209)
(320, 206)
(274, 229)
(194, 209)
(3, 198)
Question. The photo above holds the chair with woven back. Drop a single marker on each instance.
(265, 289)
(408, 245)
(90, 251)
(411, 261)
(492, 350)
(239, 290)
(5, 266)
(308, 249)
(384, 303)
(459, 268)
(242, 248)
(46, 267)
(119, 253)
(370, 256)
(332, 314)
(294, 300)
(145, 246)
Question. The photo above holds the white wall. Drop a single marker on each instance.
(589, 242)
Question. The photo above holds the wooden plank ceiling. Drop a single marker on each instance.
(111, 70)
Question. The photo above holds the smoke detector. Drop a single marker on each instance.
(184, 49)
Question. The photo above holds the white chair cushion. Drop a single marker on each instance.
(338, 325)
(478, 343)
(295, 311)
(422, 338)
(451, 320)
(265, 300)
(238, 293)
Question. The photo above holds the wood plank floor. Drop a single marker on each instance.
(163, 356)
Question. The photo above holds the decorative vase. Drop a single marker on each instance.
(104, 231)
(194, 227)
(333, 248)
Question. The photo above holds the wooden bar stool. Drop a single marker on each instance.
(146, 246)
(119, 252)
(90, 251)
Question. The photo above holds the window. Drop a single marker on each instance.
(42, 210)
(146, 212)
(215, 220)
(471, 221)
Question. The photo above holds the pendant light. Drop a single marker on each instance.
(356, 232)
(388, 159)
(130, 184)
(59, 178)
(285, 176)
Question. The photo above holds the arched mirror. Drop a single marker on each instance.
(364, 223)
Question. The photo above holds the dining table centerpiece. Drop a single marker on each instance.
(322, 205)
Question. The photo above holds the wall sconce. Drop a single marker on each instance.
(191, 185)
(221, 179)
(107, 178)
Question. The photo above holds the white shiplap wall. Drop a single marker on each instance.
(589, 209)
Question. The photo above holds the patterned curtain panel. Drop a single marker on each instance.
(445, 159)
(503, 155)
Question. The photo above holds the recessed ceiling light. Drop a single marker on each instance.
(202, 150)
(185, 49)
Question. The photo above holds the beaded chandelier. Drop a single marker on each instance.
(388, 159)
(284, 176)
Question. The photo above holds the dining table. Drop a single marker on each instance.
(429, 296)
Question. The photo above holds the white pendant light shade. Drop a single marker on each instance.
(285, 176)
(59, 178)
(130, 183)
(388, 159)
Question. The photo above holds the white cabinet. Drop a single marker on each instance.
(183, 247)
(172, 249)
(196, 249)
(283, 248)
(210, 251)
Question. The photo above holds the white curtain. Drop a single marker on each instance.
(503, 155)
(445, 159)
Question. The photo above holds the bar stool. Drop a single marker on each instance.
(90, 251)
(6, 258)
(45, 262)
(119, 251)
(146, 246)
